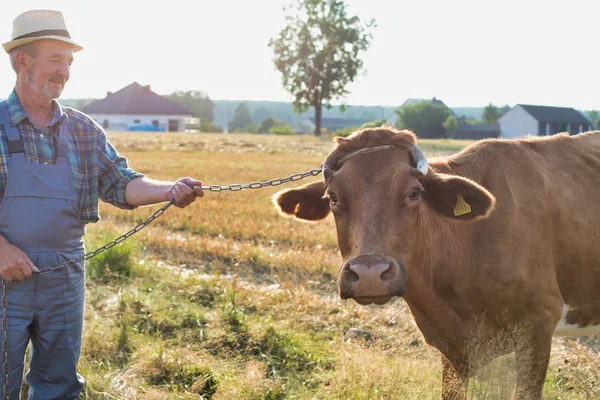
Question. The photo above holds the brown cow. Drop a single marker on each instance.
(501, 240)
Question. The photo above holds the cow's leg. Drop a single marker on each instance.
(454, 380)
(532, 364)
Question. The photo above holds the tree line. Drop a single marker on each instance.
(431, 119)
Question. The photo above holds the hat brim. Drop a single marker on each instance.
(8, 46)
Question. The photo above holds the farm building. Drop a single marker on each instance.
(137, 107)
(474, 132)
(523, 119)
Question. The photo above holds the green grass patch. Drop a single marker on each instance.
(170, 372)
(112, 265)
(288, 354)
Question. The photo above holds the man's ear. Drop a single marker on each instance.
(304, 203)
(22, 61)
(457, 197)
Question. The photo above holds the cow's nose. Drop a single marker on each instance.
(372, 272)
(371, 278)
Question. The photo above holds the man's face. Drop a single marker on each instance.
(50, 68)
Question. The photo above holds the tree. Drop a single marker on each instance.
(197, 102)
(373, 124)
(593, 115)
(450, 124)
(491, 113)
(210, 127)
(317, 53)
(283, 129)
(424, 118)
(597, 122)
(266, 125)
(241, 120)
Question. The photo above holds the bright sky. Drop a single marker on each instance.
(464, 52)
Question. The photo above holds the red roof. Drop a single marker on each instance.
(135, 99)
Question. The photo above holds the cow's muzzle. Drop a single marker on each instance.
(371, 278)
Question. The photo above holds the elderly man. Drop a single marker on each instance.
(55, 163)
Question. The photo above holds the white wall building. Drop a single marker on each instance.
(137, 107)
(523, 120)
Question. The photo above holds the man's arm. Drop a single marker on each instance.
(144, 191)
(121, 186)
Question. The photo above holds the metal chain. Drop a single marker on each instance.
(113, 243)
(158, 213)
(258, 185)
(137, 228)
(5, 339)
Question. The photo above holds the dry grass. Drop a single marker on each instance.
(228, 300)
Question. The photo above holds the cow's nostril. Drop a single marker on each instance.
(388, 274)
(351, 276)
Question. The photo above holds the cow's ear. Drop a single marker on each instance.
(304, 203)
(457, 197)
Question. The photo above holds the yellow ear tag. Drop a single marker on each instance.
(461, 206)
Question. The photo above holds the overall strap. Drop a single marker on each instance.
(4, 115)
(15, 141)
(63, 144)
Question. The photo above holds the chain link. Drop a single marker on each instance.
(213, 188)
(5, 339)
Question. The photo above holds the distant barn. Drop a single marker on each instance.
(137, 107)
(474, 131)
(524, 119)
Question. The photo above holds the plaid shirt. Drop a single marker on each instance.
(98, 171)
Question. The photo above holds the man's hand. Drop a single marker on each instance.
(185, 191)
(14, 263)
(144, 191)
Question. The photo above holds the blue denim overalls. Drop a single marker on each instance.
(39, 215)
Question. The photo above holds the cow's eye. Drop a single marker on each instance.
(333, 199)
(414, 194)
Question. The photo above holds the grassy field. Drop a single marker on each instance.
(227, 300)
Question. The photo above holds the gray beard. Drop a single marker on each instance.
(39, 90)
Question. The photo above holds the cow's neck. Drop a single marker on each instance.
(438, 270)
(433, 290)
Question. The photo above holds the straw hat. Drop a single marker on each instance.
(39, 24)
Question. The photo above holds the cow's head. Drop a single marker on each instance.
(383, 195)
